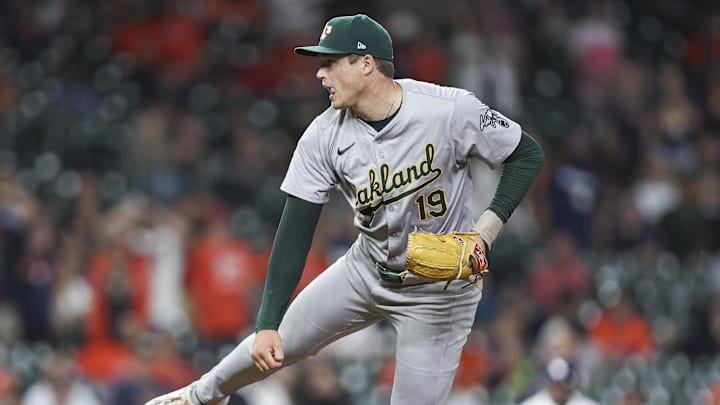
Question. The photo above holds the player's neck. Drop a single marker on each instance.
(379, 102)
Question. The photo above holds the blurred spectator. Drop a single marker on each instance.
(712, 395)
(656, 191)
(595, 43)
(149, 142)
(223, 274)
(119, 277)
(163, 239)
(248, 11)
(575, 191)
(166, 41)
(9, 388)
(704, 332)
(17, 208)
(711, 105)
(168, 367)
(423, 56)
(36, 275)
(60, 384)
(561, 279)
(708, 184)
(628, 123)
(7, 94)
(10, 325)
(678, 120)
(561, 387)
(691, 229)
(239, 164)
(702, 47)
(558, 338)
(318, 384)
(159, 367)
(512, 366)
(72, 296)
(484, 54)
(621, 331)
(293, 18)
(629, 232)
(168, 153)
(108, 361)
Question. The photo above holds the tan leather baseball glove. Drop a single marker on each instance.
(446, 257)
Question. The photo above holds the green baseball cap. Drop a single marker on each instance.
(348, 34)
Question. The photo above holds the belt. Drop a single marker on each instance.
(400, 279)
(388, 274)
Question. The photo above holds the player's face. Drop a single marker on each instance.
(342, 79)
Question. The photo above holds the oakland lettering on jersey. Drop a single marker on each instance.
(386, 182)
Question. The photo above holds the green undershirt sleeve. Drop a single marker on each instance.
(518, 173)
(287, 259)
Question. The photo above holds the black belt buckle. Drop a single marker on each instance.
(388, 275)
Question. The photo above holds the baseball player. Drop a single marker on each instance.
(399, 152)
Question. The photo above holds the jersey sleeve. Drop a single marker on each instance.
(482, 132)
(310, 175)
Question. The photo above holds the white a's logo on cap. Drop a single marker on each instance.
(326, 31)
(360, 45)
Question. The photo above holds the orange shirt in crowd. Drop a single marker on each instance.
(115, 271)
(172, 41)
(168, 368)
(713, 394)
(474, 367)
(626, 336)
(222, 275)
(105, 356)
(106, 360)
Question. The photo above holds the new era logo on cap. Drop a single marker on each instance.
(360, 45)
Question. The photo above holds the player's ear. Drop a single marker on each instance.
(368, 64)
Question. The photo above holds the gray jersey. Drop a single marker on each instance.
(414, 173)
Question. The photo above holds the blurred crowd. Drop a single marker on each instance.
(142, 144)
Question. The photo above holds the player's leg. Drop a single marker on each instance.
(432, 328)
(332, 306)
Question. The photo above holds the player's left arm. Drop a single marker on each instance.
(518, 173)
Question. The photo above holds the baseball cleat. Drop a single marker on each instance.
(183, 396)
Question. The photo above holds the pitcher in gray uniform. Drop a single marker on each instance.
(399, 152)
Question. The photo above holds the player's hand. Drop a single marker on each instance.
(478, 266)
(481, 243)
(267, 352)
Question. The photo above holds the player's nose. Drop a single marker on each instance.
(320, 74)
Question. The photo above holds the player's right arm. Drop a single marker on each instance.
(287, 261)
(307, 182)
